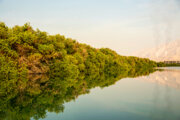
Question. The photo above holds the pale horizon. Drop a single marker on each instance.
(125, 26)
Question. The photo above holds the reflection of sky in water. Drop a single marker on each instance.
(145, 98)
(169, 77)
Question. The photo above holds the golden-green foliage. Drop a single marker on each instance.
(23, 48)
(70, 69)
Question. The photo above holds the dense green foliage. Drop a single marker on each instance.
(172, 65)
(25, 50)
(162, 64)
(39, 72)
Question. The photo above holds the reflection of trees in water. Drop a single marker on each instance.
(23, 98)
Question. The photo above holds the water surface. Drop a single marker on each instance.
(152, 97)
(138, 94)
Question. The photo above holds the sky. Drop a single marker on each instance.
(126, 26)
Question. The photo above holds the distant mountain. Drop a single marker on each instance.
(166, 52)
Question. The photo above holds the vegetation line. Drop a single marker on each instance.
(24, 51)
(41, 72)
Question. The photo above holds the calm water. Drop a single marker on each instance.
(152, 97)
(138, 94)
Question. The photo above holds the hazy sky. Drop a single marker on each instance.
(125, 26)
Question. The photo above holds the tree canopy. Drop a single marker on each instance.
(24, 50)
(40, 72)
